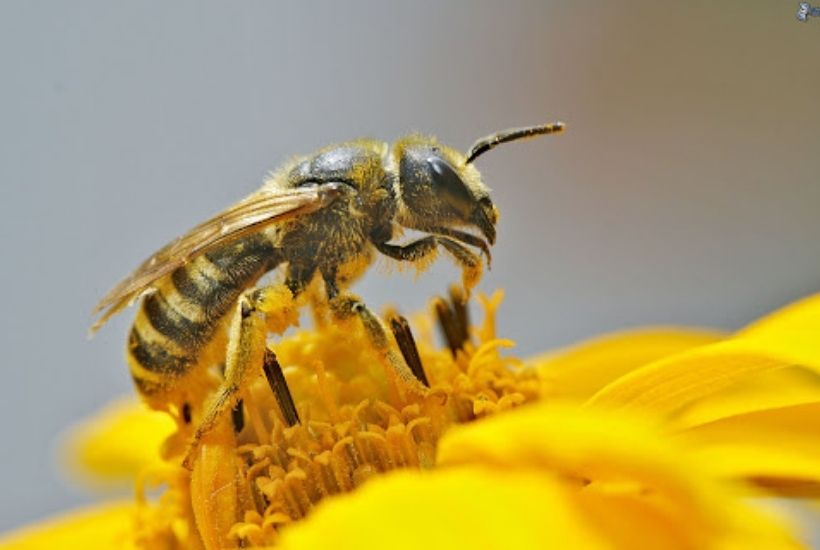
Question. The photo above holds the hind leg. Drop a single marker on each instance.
(258, 311)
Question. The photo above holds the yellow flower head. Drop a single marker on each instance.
(646, 439)
(357, 421)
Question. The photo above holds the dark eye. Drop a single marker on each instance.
(447, 182)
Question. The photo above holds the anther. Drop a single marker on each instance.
(407, 346)
(462, 314)
(279, 387)
(453, 319)
(238, 416)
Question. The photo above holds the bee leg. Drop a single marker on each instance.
(418, 250)
(466, 238)
(256, 312)
(410, 252)
(462, 256)
(345, 306)
(470, 263)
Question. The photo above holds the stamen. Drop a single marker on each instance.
(407, 346)
(453, 319)
(276, 380)
(352, 428)
(459, 304)
(238, 416)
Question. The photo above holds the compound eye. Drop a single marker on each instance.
(449, 184)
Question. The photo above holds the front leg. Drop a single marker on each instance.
(410, 252)
(466, 238)
(423, 248)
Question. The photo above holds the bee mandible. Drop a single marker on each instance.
(325, 216)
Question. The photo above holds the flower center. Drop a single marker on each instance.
(338, 416)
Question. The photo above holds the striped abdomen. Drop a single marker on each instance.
(177, 320)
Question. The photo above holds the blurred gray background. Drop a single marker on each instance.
(685, 190)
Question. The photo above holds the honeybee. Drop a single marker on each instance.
(325, 216)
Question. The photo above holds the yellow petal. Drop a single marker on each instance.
(215, 487)
(582, 369)
(801, 421)
(583, 444)
(465, 508)
(646, 489)
(778, 448)
(666, 386)
(788, 471)
(793, 332)
(770, 390)
(103, 526)
(117, 443)
(785, 338)
(545, 476)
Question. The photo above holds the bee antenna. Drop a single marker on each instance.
(490, 142)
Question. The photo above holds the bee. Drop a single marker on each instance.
(321, 216)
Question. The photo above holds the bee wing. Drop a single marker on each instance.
(265, 207)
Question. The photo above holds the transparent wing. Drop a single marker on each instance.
(263, 208)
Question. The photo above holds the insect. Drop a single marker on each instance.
(322, 216)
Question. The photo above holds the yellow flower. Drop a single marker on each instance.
(118, 445)
(547, 476)
(646, 439)
(750, 403)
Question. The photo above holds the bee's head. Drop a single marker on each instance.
(440, 187)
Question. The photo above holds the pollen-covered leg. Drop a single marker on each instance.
(419, 250)
(410, 252)
(345, 306)
(258, 311)
(466, 238)
(470, 263)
